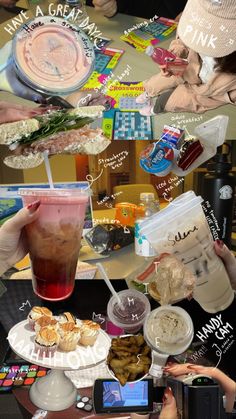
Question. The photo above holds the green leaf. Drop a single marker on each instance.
(139, 287)
(53, 123)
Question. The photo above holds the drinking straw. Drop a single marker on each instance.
(48, 169)
(108, 282)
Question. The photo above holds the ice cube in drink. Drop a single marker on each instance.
(54, 239)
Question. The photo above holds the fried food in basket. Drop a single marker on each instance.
(129, 358)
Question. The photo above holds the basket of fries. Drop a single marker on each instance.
(129, 358)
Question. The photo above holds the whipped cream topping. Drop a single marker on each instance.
(38, 312)
(47, 336)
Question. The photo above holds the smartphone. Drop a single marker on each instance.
(109, 396)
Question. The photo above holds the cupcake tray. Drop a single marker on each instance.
(55, 391)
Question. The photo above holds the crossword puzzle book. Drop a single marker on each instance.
(123, 121)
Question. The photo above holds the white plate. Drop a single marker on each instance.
(21, 340)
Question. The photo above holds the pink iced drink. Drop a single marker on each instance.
(54, 239)
(173, 64)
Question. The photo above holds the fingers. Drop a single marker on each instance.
(169, 410)
(23, 217)
(5, 105)
(166, 73)
(7, 3)
(102, 3)
(87, 98)
(199, 369)
(228, 259)
(107, 7)
(175, 369)
(12, 114)
(111, 11)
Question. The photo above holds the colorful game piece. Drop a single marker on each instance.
(153, 33)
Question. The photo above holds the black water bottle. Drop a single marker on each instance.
(218, 193)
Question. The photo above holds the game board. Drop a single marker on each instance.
(123, 121)
(153, 33)
(106, 60)
(131, 126)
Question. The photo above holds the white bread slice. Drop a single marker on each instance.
(24, 162)
(13, 131)
(90, 111)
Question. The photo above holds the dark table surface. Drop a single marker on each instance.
(22, 397)
(92, 296)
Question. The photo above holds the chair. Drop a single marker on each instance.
(131, 193)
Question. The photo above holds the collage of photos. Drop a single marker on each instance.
(117, 209)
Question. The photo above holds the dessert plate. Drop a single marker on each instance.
(21, 340)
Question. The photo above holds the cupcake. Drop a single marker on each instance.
(45, 321)
(69, 336)
(89, 332)
(37, 312)
(46, 342)
(68, 317)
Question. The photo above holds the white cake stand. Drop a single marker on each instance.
(55, 391)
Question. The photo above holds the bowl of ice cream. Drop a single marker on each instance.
(52, 56)
(169, 330)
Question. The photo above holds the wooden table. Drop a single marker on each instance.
(142, 67)
(28, 408)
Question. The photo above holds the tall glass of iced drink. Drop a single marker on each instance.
(182, 230)
(54, 239)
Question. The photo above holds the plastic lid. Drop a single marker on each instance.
(169, 330)
(147, 195)
(177, 208)
(149, 50)
(63, 64)
(125, 205)
(59, 192)
(136, 307)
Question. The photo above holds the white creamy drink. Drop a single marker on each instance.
(182, 230)
(169, 330)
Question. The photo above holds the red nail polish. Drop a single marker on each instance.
(220, 243)
(33, 206)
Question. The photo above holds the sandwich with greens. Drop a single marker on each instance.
(60, 131)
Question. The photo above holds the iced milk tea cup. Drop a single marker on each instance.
(182, 230)
(54, 239)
